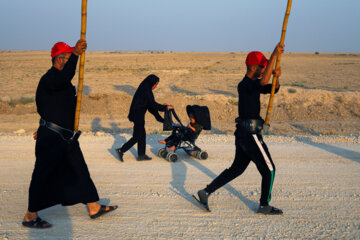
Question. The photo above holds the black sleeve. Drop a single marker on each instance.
(267, 89)
(156, 114)
(154, 105)
(61, 79)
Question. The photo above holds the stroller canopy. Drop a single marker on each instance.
(202, 115)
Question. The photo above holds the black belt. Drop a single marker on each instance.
(250, 125)
(66, 134)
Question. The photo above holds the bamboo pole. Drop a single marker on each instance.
(81, 66)
(277, 64)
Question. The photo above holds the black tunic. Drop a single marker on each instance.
(56, 96)
(60, 175)
(249, 97)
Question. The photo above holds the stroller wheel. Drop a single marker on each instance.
(171, 157)
(202, 155)
(162, 152)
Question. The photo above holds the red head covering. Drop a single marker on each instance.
(59, 48)
(256, 58)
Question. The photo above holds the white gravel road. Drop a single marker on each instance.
(317, 185)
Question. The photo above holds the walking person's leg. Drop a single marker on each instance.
(141, 139)
(42, 193)
(126, 146)
(239, 165)
(82, 189)
(262, 159)
(140, 136)
(272, 172)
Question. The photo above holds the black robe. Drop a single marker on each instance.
(144, 100)
(60, 175)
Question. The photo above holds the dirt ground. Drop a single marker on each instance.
(317, 185)
(319, 93)
(313, 138)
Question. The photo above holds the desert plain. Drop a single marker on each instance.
(319, 93)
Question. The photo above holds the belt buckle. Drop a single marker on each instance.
(75, 136)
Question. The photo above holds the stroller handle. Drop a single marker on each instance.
(176, 116)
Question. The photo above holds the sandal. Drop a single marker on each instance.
(36, 223)
(103, 210)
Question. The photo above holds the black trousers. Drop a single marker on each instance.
(249, 147)
(139, 137)
(60, 175)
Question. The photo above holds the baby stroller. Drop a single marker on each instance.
(183, 137)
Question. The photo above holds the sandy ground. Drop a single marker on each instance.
(319, 94)
(317, 185)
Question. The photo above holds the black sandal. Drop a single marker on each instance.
(103, 210)
(36, 223)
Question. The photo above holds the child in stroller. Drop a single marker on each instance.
(184, 137)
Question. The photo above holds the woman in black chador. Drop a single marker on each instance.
(143, 100)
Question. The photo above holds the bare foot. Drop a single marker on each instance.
(94, 208)
(29, 216)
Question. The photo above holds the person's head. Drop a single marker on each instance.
(192, 117)
(60, 54)
(152, 81)
(153, 87)
(255, 64)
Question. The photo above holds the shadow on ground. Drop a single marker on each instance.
(179, 173)
(115, 131)
(222, 92)
(342, 152)
(126, 88)
(179, 90)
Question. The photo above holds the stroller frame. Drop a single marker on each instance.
(187, 145)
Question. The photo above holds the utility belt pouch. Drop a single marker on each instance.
(67, 135)
(251, 126)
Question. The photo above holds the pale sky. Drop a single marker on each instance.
(182, 25)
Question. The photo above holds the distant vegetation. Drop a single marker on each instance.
(22, 100)
(291, 90)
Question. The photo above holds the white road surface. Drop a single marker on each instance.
(317, 185)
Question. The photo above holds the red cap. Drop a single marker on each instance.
(256, 58)
(59, 48)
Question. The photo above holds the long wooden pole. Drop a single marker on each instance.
(277, 64)
(81, 66)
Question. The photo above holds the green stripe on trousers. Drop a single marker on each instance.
(271, 184)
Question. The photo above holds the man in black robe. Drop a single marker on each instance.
(143, 101)
(60, 175)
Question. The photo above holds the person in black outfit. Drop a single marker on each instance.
(248, 140)
(60, 175)
(143, 101)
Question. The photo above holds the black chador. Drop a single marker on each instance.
(60, 175)
(143, 101)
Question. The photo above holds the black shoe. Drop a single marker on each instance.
(120, 154)
(203, 199)
(144, 158)
(269, 210)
